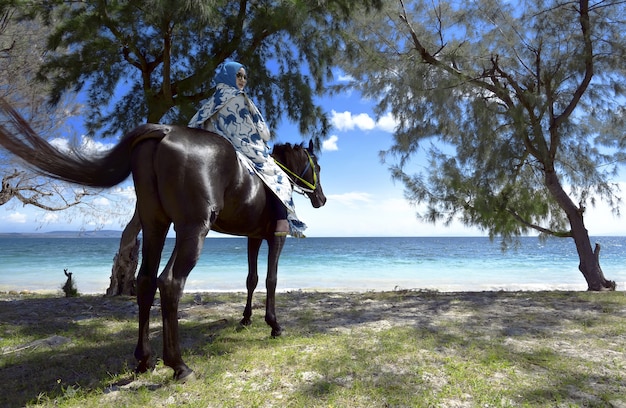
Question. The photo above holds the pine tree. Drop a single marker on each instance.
(154, 60)
(524, 104)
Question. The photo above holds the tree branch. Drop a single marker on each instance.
(430, 59)
(11, 188)
(521, 220)
(585, 27)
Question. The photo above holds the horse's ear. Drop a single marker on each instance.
(311, 147)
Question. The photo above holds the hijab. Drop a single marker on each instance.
(227, 74)
(225, 82)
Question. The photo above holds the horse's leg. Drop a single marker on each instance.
(171, 283)
(146, 288)
(276, 244)
(254, 244)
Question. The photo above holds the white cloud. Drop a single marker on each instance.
(61, 144)
(17, 218)
(345, 78)
(350, 198)
(102, 201)
(330, 144)
(388, 213)
(387, 123)
(125, 192)
(50, 218)
(364, 214)
(87, 145)
(345, 121)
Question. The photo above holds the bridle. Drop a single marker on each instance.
(309, 187)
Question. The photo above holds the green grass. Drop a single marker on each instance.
(390, 349)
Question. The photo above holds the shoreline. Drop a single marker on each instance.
(333, 264)
(353, 286)
(348, 292)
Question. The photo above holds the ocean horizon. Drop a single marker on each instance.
(448, 264)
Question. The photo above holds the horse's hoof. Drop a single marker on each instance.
(143, 367)
(184, 375)
(245, 322)
(277, 332)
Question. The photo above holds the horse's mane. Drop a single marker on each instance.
(289, 146)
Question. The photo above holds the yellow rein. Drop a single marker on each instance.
(311, 187)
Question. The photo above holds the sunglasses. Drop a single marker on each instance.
(242, 76)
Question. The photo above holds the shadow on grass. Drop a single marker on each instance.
(480, 330)
(508, 313)
(59, 347)
(472, 384)
(102, 334)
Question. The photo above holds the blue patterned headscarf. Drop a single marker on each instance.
(227, 74)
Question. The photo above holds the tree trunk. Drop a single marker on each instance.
(123, 281)
(589, 258)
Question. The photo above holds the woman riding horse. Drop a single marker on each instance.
(187, 178)
(231, 114)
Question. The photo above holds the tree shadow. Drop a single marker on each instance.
(466, 322)
(102, 333)
(71, 344)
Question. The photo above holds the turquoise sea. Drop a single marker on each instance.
(346, 264)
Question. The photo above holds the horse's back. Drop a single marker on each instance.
(198, 181)
(182, 177)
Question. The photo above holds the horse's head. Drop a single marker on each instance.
(301, 165)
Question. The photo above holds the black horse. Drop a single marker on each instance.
(192, 179)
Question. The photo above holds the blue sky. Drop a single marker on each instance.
(362, 198)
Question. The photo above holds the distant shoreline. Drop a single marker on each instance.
(64, 234)
(213, 234)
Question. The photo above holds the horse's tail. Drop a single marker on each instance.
(106, 170)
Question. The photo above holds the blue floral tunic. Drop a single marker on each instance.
(231, 114)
